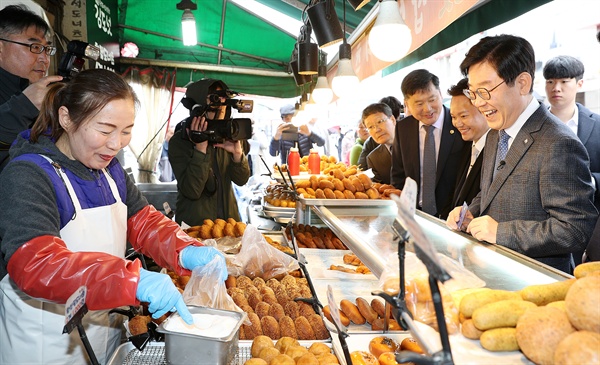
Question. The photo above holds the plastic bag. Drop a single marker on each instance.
(207, 290)
(257, 258)
(418, 293)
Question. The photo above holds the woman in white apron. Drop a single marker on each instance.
(67, 211)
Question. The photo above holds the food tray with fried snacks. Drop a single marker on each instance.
(303, 176)
(346, 202)
(319, 264)
(271, 208)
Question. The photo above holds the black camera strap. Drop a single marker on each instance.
(220, 198)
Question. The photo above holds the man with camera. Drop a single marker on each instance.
(24, 59)
(287, 135)
(206, 154)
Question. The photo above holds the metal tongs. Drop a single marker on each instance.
(140, 341)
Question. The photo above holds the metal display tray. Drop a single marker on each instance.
(347, 202)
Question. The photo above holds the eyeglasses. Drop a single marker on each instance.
(376, 124)
(35, 47)
(483, 93)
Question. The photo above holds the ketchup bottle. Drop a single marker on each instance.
(293, 161)
(314, 162)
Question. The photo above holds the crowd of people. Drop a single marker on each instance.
(528, 174)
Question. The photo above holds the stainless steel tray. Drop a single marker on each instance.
(347, 202)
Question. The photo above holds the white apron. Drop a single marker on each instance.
(39, 339)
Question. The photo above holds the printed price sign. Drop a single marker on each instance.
(335, 312)
(409, 194)
(75, 302)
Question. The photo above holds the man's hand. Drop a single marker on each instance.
(234, 147)
(199, 124)
(483, 228)
(280, 129)
(36, 92)
(304, 130)
(454, 217)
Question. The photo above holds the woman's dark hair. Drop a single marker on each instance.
(509, 55)
(84, 96)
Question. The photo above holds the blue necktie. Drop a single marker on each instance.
(502, 149)
(429, 172)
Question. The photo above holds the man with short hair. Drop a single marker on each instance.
(380, 122)
(473, 128)
(536, 193)
(427, 148)
(24, 59)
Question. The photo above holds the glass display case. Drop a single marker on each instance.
(367, 231)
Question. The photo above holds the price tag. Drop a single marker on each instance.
(409, 194)
(75, 302)
(333, 308)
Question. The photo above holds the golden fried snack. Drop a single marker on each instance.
(339, 194)
(291, 309)
(377, 325)
(234, 290)
(307, 359)
(311, 191)
(338, 243)
(327, 359)
(246, 308)
(276, 311)
(337, 184)
(342, 269)
(262, 309)
(258, 282)
(208, 222)
(351, 259)
(243, 282)
(270, 298)
(362, 269)
(286, 342)
(205, 232)
(319, 348)
(239, 299)
(242, 334)
(270, 327)
(193, 234)
(217, 231)
(273, 284)
(348, 185)
(348, 194)
(351, 311)
(366, 310)
(282, 359)
(329, 193)
(383, 187)
(337, 173)
(302, 184)
(240, 228)
(228, 230)
(305, 309)
(259, 343)
(365, 180)
(372, 193)
(328, 243)
(350, 171)
(303, 329)
(360, 195)
(230, 282)
(319, 194)
(231, 221)
(254, 299)
(301, 191)
(287, 328)
(268, 354)
(314, 183)
(410, 344)
(357, 184)
(380, 344)
(324, 183)
(139, 324)
(265, 289)
(319, 242)
(318, 327)
(327, 313)
(254, 329)
(296, 351)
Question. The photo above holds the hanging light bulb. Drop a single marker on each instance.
(188, 22)
(345, 81)
(311, 106)
(390, 38)
(322, 93)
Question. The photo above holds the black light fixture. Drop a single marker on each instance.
(308, 53)
(345, 81)
(298, 78)
(325, 23)
(357, 4)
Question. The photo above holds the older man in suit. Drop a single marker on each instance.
(379, 120)
(473, 128)
(536, 188)
(427, 148)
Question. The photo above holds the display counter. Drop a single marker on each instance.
(367, 231)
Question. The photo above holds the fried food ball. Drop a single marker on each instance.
(256, 361)
(231, 221)
(339, 194)
(254, 328)
(284, 342)
(259, 343)
(348, 194)
(276, 311)
(307, 359)
(316, 322)
(265, 290)
(287, 328)
(270, 298)
(228, 230)
(239, 229)
(138, 325)
(248, 309)
(291, 309)
(296, 351)
(243, 282)
(282, 359)
(305, 309)
(319, 348)
(239, 299)
(268, 353)
(220, 222)
(262, 309)
(217, 231)
(205, 232)
(208, 222)
(327, 359)
(254, 299)
(303, 329)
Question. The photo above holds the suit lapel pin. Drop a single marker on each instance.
(526, 140)
(451, 131)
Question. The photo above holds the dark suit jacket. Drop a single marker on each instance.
(368, 147)
(380, 161)
(406, 159)
(542, 197)
(588, 131)
(467, 187)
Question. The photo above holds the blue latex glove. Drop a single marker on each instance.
(194, 256)
(162, 295)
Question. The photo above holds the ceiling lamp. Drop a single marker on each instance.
(357, 4)
(188, 22)
(345, 81)
(298, 78)
(325, 23)
(390, 38)
(308, 53)
(322, 93)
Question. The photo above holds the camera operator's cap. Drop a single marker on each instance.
(287, 109)
(199, 90)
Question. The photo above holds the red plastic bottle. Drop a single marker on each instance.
(293, 161)
(314, 162)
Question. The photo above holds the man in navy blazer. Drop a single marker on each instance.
(473, 128)
(536, 189)
(422, 96)
(564, 78)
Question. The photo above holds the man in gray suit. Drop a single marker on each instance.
(536, 188)
(380, 122)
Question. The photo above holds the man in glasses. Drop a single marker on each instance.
(24, 59)
(380, 122)
(536, 187)
(427, 148)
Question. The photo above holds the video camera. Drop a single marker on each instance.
(198, 101)
(72, 61)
